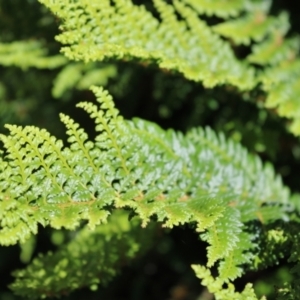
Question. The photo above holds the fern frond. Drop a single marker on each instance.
(26, 54)
(274, 50)
(81, 76)
(282, 83)
(254, 26)
(269, 241)
(223, 236)
(232, 266)
(198, 178)
(218, 8)
(186, 44)
(92, 258)
(126, 31)
(215, 286)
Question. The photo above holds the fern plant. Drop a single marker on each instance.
(119, 190)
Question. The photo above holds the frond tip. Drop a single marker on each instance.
(215, 286)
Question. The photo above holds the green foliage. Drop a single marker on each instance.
(179, 179)
(188, 45)
(235, 202)
(28, 54)
(81, 76)
(221, 293)
(195, 54)
(102, 252)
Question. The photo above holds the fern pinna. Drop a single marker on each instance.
(135, 170)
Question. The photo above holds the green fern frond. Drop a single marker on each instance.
(280, 78)
(198, 178)
(223, 236)
(92, 258)
(215, 286)
(291, 237)
(237, 204)
(269, 241)
(282, 83)
(218, 8)
(66, 79)
(181, 42)
(274, 50)
(232, 266)
(127, 32)
(226, 9)
(26, 54)
(81, 76)
(252, 27)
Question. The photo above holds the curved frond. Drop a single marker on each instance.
(198, 178)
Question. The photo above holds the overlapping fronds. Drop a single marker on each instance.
(216, 286)
(27, 54)
(181, 41)
(90, 259)
(198, 178)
